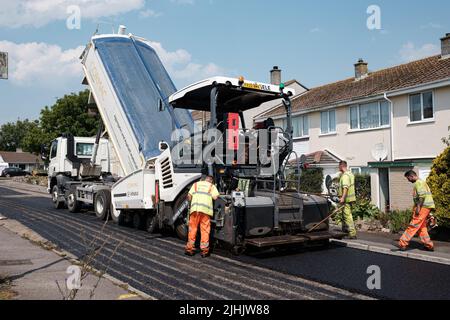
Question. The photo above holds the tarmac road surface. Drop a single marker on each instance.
(156, 265)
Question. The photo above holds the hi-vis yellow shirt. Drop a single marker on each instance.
(348, 181)
(202, 197)
(422, 191)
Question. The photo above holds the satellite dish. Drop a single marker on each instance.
(379, 152)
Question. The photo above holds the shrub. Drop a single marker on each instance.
(363, 208)
(362, 186)
(439, 182)
(311, 180)
(396, 220)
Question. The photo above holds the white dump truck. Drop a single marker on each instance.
(140, 109)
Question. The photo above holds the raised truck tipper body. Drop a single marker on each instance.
(140, 110)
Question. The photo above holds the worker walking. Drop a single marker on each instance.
(423, 206)
(347, 196)
(201, 197)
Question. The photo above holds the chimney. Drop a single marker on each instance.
(275, 76)
(361, 69)
(19, 150)
(445, 45)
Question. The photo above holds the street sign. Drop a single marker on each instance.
(3, 65)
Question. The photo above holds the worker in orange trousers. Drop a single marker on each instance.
(201, 197)
(423, 207)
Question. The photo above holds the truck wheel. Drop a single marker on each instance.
(138, 221)
(182, 224)
(55, 199)
(151, 223)
(117, 216)
(102, 203)
(73, 204)
(237, 250)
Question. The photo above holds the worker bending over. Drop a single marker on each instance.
(423, 206)
(201, 197)
(347, 196)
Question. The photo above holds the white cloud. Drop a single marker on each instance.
(37, 13)
(42, 64)
(409, 51)
(149, 14)
(181, 67)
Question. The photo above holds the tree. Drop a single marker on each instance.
(12, 134)
(34, 139)
(439, 182)
(68, 115)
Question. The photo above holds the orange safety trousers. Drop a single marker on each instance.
(196, 219)
(418, 224)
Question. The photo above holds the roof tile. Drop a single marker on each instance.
(399, 77)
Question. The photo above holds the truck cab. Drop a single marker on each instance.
(68, 153)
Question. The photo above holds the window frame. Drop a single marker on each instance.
(422, 120)
(304, 118)
(358, 107)
(54, 148)
(84, 143)
(329, 132)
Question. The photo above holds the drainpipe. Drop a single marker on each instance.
(392, 125)
(392, 146)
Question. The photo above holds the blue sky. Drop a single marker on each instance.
(315, 42)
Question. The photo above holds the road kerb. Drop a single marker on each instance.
(388, 251)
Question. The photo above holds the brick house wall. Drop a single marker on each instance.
(401, 189)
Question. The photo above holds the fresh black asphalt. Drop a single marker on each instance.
(155, 264)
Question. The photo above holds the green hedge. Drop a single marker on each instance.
(439, 182)
(311, 180)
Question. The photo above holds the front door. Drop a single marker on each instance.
(384, 189)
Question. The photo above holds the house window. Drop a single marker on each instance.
(328, 121)
(370, 115)
(421, 106)
(360, 170)
(300, 126)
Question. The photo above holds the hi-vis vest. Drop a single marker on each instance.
(347, 181)
(202, 197)
(422, 191)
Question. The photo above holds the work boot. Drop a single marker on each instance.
(349, 237)
(205, 254)
(399, 248)
(189, 253)
(428, 249)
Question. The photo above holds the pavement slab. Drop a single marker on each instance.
(33, 272)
